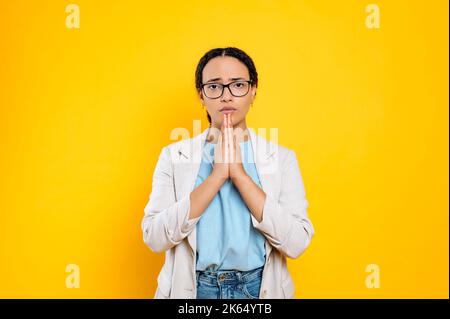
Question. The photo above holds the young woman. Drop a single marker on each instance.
(227, 206)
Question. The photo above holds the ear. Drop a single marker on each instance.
(200, 95)
(253, 92)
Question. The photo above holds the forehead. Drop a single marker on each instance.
(224, 67)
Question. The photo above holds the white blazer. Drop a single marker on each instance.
(166, 227)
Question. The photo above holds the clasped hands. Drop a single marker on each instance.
(227, 154)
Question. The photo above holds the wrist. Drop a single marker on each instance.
(218, 178)
(240, 177)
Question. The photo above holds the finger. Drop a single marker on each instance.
(224, 120)
(230, 139)
(222, 142)
(225, 135)
(238, 151)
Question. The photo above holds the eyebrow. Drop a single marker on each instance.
(231, 79)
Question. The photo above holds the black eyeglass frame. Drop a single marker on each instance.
(227, 86)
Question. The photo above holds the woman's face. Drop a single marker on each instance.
(223, 70)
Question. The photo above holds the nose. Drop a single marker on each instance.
(226, 95)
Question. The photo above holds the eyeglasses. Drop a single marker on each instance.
(236, 88)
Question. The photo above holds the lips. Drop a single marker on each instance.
(227, 109)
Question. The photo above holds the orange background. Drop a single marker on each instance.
(85, 112)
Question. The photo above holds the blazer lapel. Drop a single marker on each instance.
(189, 156)
(265, 156)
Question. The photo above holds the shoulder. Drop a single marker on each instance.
(282, 152)
(180, 151)
(285, 156)
(174, 146)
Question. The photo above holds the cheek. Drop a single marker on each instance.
(244, 108)
(213, 111)
(241, 114)
(247, 103)
(212, 108)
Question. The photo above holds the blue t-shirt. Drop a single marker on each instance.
(226, 238)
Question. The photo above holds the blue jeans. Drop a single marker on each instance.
(229, 284)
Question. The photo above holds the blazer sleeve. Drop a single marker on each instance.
(285, 221)
(166, 221)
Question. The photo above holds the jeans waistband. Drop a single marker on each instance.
(229, 276)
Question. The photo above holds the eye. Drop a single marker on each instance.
(238, 85)
(212, 86)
